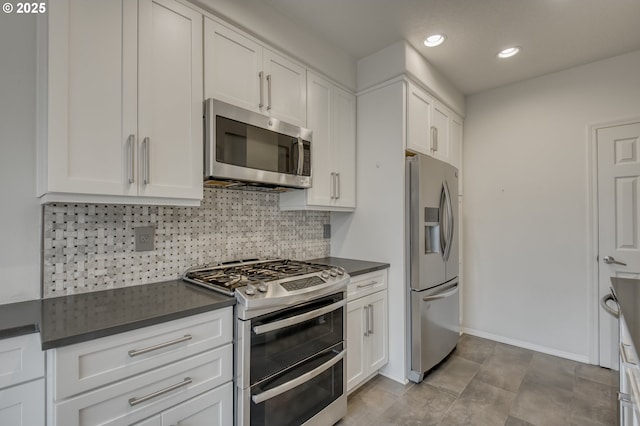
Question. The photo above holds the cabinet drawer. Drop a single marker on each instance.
(21, 359)
(23, 405)
(362, 285)
(88, 365)
(137, 398)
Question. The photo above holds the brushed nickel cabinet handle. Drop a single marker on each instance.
(145, 160)
(370, 322)
(261, 77)
(135, 401)
(131, 141)
(367, 284)
(269, 92)
(136, 352)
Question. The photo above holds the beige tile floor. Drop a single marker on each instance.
(485, 383)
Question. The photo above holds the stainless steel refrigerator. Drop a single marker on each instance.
(432, 262)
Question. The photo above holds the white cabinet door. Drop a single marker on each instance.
(378, 345)
(455, 145)
(440, 140)
(286, 86)
(344, 147)
(124, 101)
(170, 100)
(89, 82)
(332, 118)
(419, 106)
(356, 321)
(319, 101)
(23, 405)
(242, 72)
(213, 408)
(232, 67)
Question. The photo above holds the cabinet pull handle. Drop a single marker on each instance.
(136, 352)
(434, 138)
(370, 322)
(338, 185)
(131, 141)
(145, 161)
(261, 77)
(367, 284)
(333, 184)
(268, 91)
(366, 320)
(135, 401)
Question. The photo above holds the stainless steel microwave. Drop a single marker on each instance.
(245, 147)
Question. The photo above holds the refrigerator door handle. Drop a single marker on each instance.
(450, 223)
(441, 295)
(441, 221)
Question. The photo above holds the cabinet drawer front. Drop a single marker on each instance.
(88, 365)
(23, 405)
(213, 408)
(21, 359)
(137, 398)
(362, 285)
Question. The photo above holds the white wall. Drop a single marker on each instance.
(526, 202)
(20, 211)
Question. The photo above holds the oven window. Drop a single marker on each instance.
(276, 350)
(244, 145)
(300, 403)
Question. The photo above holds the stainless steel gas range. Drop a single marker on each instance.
(290, 350)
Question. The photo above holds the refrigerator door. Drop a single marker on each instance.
(426, 207)
(435, 327)
(452, 226)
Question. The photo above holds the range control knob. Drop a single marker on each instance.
(325, 274)
(340, 270)
(262, 288)
(333, 272)
(250, 290)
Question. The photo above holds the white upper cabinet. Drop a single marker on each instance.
(331, 115)
(242, 72)
(419, 107)
(440, 128)
(124, 104)
(432, 128)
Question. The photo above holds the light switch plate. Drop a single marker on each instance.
(144, 237)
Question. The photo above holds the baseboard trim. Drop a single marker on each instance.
(526, 345)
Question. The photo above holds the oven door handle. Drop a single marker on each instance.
(271, 393)
(276, 325)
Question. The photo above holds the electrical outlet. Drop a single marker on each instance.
(326, 231)
(144, 237)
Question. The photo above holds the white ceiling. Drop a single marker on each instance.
(553, 34)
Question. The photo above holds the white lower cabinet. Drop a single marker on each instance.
(21, 381)
(213, 408)
(367, 327)
(177, 378)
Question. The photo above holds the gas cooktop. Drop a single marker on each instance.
(257, 274)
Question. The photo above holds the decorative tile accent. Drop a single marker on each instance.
(90, 247)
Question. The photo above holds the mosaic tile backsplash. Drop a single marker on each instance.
(90, 247)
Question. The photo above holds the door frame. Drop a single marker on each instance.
(593, 299)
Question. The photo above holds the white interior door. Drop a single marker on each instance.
(618, 221)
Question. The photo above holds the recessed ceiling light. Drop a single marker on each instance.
(434, 40)
(508, 52)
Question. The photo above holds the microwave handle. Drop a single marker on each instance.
(300, 156)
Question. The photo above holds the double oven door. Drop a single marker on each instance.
(290, 365)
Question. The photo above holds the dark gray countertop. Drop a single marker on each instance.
(17, 319)
(352, 266)
(627, 292)
(73, 319)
